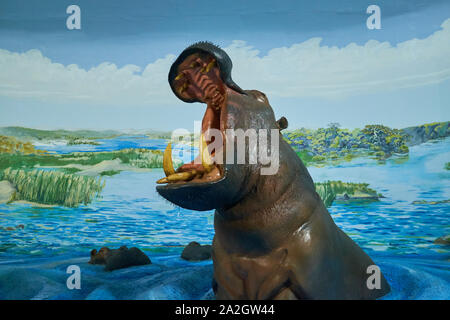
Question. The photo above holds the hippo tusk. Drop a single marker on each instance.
(167, 161)
(181, 176)
(207, 162)
(162, 180)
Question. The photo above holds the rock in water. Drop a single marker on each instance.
(119, 258)
(194, 251)
(444, 240)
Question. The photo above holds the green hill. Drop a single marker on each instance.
(27, 134)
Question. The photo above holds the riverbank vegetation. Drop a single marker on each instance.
(423, 133)
(53, 187)
(12, 145)
(332, 145)
(138, 158)
(330, 191)
(75, 178)
(69, 179)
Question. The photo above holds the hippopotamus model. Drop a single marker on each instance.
(274, 238)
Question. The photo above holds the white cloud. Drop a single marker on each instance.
(31, 75)
(306, 69)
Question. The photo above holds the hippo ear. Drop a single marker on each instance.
(282, 123)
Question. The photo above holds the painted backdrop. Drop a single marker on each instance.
(86, 111)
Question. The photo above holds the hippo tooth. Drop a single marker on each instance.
(179, 76)
(210, 65)
(167, 160)
(183, 88)
(162, 180)
(181, 176)
(207, 162)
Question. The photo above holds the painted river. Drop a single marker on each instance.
(396, 233)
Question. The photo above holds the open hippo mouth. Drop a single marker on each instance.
(204, 184)
(204, 169)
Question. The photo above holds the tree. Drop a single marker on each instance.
(333, 127)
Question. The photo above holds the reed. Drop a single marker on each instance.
(53, 187)
(326, 193)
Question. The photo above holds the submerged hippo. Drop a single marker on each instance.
(274, 238)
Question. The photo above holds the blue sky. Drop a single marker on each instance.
(127, 46)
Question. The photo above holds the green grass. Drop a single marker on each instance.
(69, 170)
(330, 189)
(109, 173)
(447, 166)
(53, 187)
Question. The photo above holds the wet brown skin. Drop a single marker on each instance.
(274, 238)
